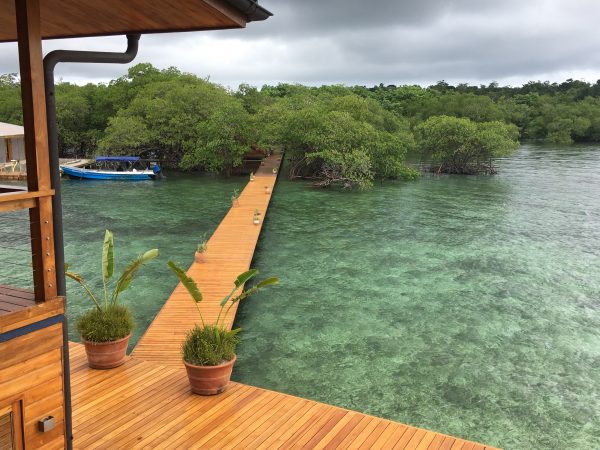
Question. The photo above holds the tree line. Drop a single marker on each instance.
(334, 135)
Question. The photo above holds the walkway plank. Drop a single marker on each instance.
(230, 252)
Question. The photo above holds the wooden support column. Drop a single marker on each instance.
(36, 146)
(8, 144)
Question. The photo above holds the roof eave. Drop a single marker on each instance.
(251, 9)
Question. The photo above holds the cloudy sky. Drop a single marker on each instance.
(373, 41)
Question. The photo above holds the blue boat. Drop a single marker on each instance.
(113, 168)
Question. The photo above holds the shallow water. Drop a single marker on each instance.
(466, 305)
(170, 215)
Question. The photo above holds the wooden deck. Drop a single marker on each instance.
(146, 405)
(147, 402)
(230, 252)
(14, 299)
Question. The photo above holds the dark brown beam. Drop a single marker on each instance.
(8, 143)
(36, 146)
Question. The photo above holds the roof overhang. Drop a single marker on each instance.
(8, 130)
(83, 18)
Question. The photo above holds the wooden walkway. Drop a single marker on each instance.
(147, 402)
(230, 252)
(146, 405)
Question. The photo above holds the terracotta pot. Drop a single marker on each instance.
(106, 355)
(199, 257)
(209, 380)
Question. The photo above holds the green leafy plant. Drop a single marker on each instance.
(235, 197)
(107, 324)
(210, 344)
(109, 320)
(203, 244)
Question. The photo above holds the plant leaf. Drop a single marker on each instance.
(231, 333)
(131, 270)
(80, 280)
(108, 256)
(239, 281)
(243, 277)
(186, 281)
(268, 282)
(74, 276)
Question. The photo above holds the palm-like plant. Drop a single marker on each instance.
(212, 343)
(202, 244)
(235, 197)
(93, 325)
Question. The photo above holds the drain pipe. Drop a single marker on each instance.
(50, 62)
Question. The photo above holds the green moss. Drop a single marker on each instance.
(107, 324)
(209, 345)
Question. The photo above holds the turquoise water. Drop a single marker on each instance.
(466, 305)
(170, 215)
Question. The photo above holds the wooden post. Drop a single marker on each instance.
(36, 146)
(8, 144)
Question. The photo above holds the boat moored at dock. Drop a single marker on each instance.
(115, 168)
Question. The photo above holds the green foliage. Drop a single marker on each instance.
(221, 140)
(106, 324)
(202, 244)
(107, 307)
(123, 135)
(333, 135)
(209, 345)
(465, 147)
(336, 139)
(187, 282)
(10, 99)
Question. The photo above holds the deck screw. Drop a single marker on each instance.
(45, 221)
(47, 238)
(49, 285)
(47, 253)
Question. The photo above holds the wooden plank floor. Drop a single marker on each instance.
(230, 252)
(13, 299)
(146, 405)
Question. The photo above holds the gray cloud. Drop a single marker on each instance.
(391, 41)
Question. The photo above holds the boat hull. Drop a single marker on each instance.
(90, 174)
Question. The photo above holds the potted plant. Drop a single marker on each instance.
(251, 176)
(235, 198)
(105, 329)
(201, 249)
(274, 169)
(267, 190)
(256, 218)
(209, 348)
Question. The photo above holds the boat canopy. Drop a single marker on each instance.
(117, 158)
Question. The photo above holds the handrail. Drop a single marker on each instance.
(23, 195)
